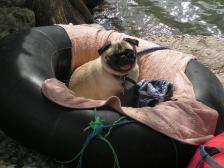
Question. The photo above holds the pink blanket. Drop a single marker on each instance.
(186, 119)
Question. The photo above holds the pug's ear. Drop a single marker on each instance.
(132, 41)
(104, 47)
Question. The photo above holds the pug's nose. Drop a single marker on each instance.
(124, 59)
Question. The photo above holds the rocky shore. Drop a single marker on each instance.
(208, 50)
(15, 15)
(23, 14)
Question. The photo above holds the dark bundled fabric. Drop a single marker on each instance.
(147, 93)
(153, 92)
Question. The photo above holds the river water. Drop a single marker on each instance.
(163, 17)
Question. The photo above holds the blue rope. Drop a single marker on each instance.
(97, 130)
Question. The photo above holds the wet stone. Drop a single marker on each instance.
(14, 18)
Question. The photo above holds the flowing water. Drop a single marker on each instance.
(163, 17)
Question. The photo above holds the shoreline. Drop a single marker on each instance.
(207, 49)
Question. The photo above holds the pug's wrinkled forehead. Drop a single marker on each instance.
(118, 46)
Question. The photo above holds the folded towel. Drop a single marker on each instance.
(184, 120)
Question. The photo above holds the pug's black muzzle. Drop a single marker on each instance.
(123, 60)
(116, 61)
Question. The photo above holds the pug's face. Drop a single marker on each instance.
(119, 56)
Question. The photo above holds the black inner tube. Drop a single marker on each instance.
(208, 89)
(30, 57)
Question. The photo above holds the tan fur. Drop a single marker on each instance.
(95, 79)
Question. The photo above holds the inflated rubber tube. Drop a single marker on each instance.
(28, 58)
(208, 89)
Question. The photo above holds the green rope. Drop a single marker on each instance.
(98, 122)
(116, 161)
(97, 127)
(93, 125)
(114, 124)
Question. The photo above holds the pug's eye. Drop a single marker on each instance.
(130, 53)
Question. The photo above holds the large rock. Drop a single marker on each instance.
(10, 3)
(92, 3)
(14, 18)
(49, 12)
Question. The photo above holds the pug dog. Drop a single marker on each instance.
(106, 76)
